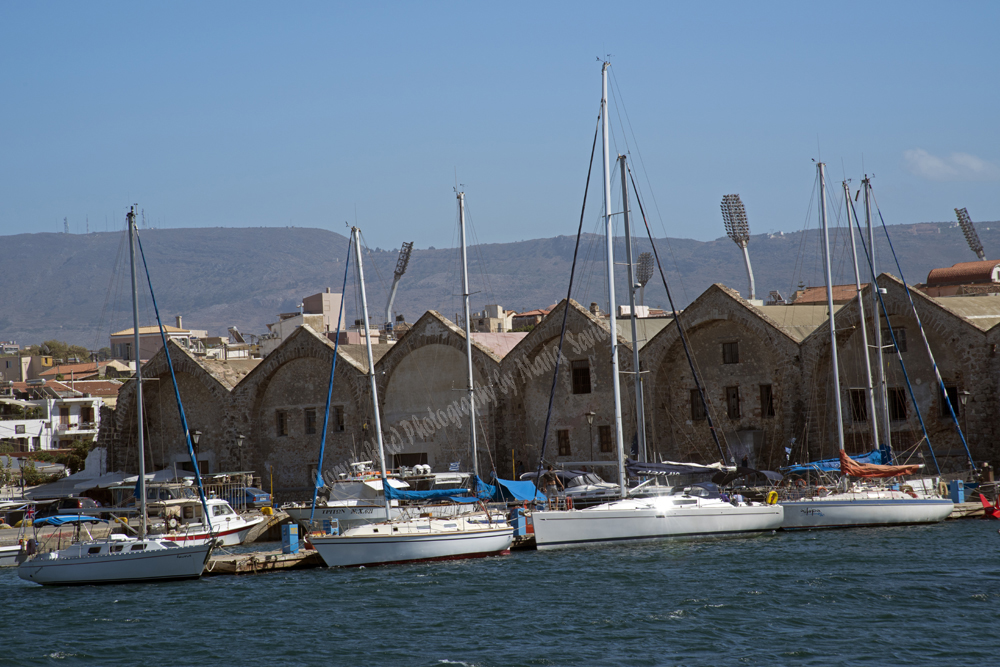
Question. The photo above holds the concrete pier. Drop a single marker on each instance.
(262, 561)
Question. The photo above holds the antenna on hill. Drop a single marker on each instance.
(65, 225)
(734, 217)
(965, 222)
(643, 272)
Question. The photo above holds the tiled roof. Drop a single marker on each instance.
(98, 387)
(841, 294)
(965, 273)
(499, 344)
(86, 368)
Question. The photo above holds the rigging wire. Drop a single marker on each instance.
(680, 328)
(329, 392)
(652, 192)
(923, 335)
(566, 306)
(895, 344)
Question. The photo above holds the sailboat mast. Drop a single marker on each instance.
(861, 314)
(883, 395)
(829, 302)
(640, 417)
(468, 335)
(609, 234)
(130, 217)
(356, 234)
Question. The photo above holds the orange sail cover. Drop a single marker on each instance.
(849, 466)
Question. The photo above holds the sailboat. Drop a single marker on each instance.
(686, 511)
(856, 503)
(408, 540)
(121, 558)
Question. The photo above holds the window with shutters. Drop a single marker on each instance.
(733, 402)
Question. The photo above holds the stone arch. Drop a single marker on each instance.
(768, 357)
(418, 377)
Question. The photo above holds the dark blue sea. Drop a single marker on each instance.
(882, 596)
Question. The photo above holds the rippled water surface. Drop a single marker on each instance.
(911, 595)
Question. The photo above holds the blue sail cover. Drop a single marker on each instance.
(64, 519)
(507, 490)
(875, 457)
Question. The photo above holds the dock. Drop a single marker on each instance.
(967, 511)
(262, 561)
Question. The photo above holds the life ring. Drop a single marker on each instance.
(772, 497)
(799, 482)
(822, 490)
(172, 523)
(569, 503)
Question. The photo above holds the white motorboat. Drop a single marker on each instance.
(184, 522)
(423, 539)
(121, 558)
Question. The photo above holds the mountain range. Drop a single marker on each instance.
(75, 287)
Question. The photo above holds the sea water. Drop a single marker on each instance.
(871, 596)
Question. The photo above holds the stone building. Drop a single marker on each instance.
(582, 429)
(750, 372)
(765, 371)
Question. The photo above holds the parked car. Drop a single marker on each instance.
(249, 497)
(69, 507)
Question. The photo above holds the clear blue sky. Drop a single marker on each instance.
(272, 114)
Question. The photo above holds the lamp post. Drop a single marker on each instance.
(963, 398)
(590, 422)
(195, 437)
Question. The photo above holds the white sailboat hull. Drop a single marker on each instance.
(177, 562)
(413, 541)
(653, 518)
(843, 510)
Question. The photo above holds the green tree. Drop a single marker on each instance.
(57, 349)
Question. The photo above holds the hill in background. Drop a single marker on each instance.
(75, 287)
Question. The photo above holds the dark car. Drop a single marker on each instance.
(248, 496)
(68, 507)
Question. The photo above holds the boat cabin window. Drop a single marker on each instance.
(117, 548)
(188, 512)
(138, 547)
(221, 510)
(94, 550)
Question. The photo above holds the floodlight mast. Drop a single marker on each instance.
(734, 216)
(401, 264)
(643, 272)
(965, 222)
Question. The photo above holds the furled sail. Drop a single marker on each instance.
(849, 466)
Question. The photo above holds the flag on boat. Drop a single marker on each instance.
(454, 467)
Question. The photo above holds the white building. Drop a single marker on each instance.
(52, 418)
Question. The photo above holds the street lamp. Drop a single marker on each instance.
(590, 422)
(239, 443)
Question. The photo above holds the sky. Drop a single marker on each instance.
(316, 114)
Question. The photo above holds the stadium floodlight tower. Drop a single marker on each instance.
(401, 264)
(643, 272)
(965, 222)
(734, 216)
